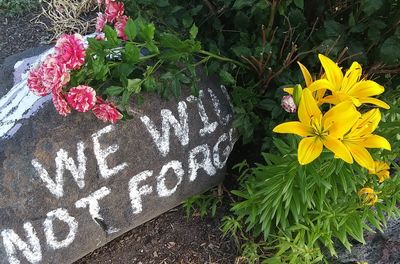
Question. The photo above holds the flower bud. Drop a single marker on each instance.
(288, 104)
(297, 91)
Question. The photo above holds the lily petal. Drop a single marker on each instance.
(375, 141)
(366, 88)
(288, 90)
(361, 155)
(333, 72)
(293, 127)
(374, 101)
(309, 149)
(321, 84)
(319, 94)
(367, 123)
(338, 148)
(308, 108)
(340, 119)
(306, 74)
(338, 97)
(351, 77)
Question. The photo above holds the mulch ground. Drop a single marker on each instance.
(169, 238)
(20, 33)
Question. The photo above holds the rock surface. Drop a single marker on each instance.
(380, 248)
(70, 185)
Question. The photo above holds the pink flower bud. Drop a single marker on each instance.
(120, 27)
(101, 22)
(61, 104)
(288, 104)
(82, 98)
(106, 111)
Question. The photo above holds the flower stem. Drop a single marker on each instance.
(212, 55)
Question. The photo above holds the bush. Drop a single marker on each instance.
(11, 8)
(285, 211)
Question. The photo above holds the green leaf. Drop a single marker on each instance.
(114, 90)
(371, 6)
(147, 32)
(124, 69)
(390, 51)
(171, 41)
(239, 4)
(125, 97)
(241, 51)
(150, 84)
(152, 47)
(95, 44)
(134, 85)
(111, 36)
(193, 31)
(162, 3)
(333, 28)
(226, 78)
(299, 3)
(131, 53)
(130, 29)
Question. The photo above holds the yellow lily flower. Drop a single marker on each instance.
(381, 169)
(360, 137)
(368, 195)
(317, 86)
(348, 87)
(320, 130)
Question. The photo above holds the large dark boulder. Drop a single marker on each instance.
(70, 185)
(380, 247)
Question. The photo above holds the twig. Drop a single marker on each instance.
(312, 29)
(210, 6)
(339, 58)
(271, 17)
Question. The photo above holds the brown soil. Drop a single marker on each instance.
(169, 238)
(20, 33)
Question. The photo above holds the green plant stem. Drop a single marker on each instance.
(212, 55)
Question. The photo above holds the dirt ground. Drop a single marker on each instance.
(169, 238)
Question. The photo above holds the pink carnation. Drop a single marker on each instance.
(120, 27)
(82, 98)
(106, 111)
(288, 104)
(61, 104)
(35, 81)
(70, 50)
(101, 21)
(54, 75)
(114, 10)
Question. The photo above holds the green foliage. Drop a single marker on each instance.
(11, 8)
(203, 204)
(306, 207)
(268, 37)
(286, 212)
(149, 61)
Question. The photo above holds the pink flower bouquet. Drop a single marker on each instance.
(103, 73)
